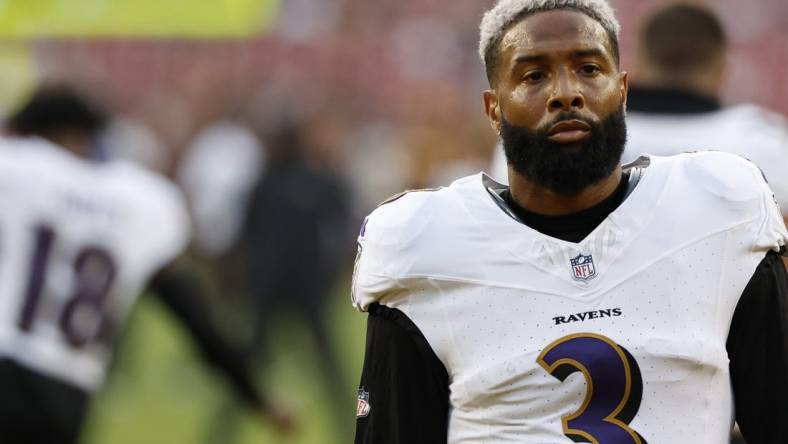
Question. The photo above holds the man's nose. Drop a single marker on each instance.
(566, 94)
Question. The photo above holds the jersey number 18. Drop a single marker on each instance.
(81, 316)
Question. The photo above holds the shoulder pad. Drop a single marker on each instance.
(734, 179)
(388, 242)
(398, 218)
(729, 176)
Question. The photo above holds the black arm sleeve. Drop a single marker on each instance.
(404, 382)
(180, 293)
(758, 350)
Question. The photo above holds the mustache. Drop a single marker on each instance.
(567, 115)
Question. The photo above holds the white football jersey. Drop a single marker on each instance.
(618, 338)
(747, 130)
(78, 241)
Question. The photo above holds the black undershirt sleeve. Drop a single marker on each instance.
(758, 351)
(404, 383)
(180, 293)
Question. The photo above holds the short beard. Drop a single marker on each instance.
(548, 164)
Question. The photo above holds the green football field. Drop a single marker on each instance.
(161, 392)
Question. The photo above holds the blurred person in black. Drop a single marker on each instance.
(82, 236)
(295, 241)
(675, 98)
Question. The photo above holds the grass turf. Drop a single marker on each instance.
(161, 392)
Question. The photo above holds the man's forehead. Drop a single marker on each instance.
(550, 29)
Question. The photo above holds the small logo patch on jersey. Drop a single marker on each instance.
(362, 406)
(583, 267)
(363, 231)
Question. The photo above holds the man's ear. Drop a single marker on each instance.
(493, 110)
(624, 87)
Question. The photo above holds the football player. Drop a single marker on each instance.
(81, 238)
(585, 302)
(674, 102)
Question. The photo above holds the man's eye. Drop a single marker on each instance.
(589, 70)
(534, 76)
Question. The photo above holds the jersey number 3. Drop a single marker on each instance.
(82, 314)
(615, 387)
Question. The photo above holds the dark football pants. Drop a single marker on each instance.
(35, 409)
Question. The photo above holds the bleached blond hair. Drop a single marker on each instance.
(506, 13)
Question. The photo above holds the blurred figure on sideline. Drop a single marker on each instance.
(294, 241)
(217, 173)
(674, 100)
(81, 238)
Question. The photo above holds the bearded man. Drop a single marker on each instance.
(585, 302)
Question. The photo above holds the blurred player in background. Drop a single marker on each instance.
(587, 301)
(217, 173)
(674, 103)
(81, 238)
(294, 241)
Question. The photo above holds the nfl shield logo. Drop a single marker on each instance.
(362, 406)
(583, 267)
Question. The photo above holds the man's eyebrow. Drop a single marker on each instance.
(529, 59)
(592, 52)
(580, 53)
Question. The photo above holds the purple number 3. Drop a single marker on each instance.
(615, 387)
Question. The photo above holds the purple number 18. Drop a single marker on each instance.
(81, 316)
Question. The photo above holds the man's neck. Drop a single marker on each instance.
(541, 200)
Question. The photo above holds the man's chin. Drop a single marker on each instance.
(571, 148)
(567, 148)
(567, 164)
